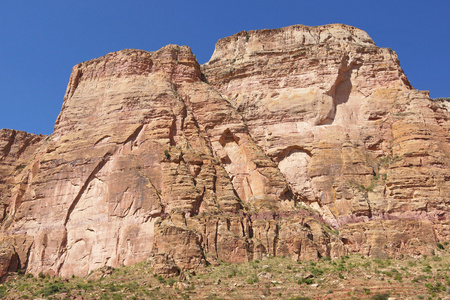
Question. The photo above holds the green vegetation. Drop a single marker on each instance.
(380, 296)
(379, 179)
(20, 167)
(252, 279)
(52, 288)
(167, 154)
(3, 292)
(347, 277)
(305, 280)
(442, 99)
(386, 161)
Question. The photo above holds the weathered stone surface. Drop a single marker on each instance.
(100, 273)
(9, 261)
(350, 135)
(252, 154)
(16, 150)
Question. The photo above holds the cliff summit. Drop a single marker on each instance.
(303, 142)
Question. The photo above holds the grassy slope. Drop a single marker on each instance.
(352, 277)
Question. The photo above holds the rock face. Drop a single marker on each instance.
(280, 135)
(17, 149)
(349, 134)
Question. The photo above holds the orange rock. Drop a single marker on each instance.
(352, 138)
(252, 154)
(8, 259)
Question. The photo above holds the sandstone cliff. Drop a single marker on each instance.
(301, 141)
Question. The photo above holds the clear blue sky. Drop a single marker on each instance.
(41, 40)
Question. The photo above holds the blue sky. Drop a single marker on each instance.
(41, 40)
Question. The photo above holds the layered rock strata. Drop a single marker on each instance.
(351, 136)
(280, 135)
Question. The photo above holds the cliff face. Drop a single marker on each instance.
(282, 134)
(349, 134)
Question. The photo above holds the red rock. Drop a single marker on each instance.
(281, 132)
(8, 259)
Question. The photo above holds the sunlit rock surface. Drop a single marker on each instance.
(301, 142)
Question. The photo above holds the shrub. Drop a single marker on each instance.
(387, 273)
(380, 296)
(442, 99)
(437, 288)
(427, 269)
(316, 272)
(253, 279)
(412, 263)
(417, 279)
(305, 280)
(167, 154)
(3, 291)
(233, 272)
(53, 288)
(171, 282)
(161, 279)
(112, 287)
(20, 167)
(84, 286)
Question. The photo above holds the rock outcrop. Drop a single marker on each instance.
(360, 146)
(301, 142)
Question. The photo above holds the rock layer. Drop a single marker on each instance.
(351, 136)
(280, 135)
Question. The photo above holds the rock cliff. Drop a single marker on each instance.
(302, 142)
